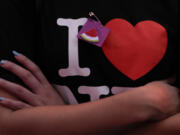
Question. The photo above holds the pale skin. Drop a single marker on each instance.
(168, 126)
(47, 115)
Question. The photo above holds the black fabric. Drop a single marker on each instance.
(31, 27)
(16, 30)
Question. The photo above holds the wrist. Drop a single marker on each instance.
(157, 101)
(149, 104)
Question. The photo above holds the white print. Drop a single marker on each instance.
(118, 90)
(74, 68)
(94, 92)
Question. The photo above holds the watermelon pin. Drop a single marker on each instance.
(93, 31)
(91, 36)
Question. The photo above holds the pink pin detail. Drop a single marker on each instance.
(93, 31)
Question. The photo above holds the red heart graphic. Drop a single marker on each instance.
(135, 50)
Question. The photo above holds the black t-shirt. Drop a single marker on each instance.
(142, 45)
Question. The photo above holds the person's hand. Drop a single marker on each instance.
(164, 98)
(40, 91)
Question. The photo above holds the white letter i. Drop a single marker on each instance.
(74, 68)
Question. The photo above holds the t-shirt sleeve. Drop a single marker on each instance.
(17, 28)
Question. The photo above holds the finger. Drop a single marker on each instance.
(13, 104)
(19, 91)
(22, 73)
(170, 80)
(31, 66)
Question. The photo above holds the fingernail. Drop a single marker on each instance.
(15, 53)
(2, 62)
(1, 98)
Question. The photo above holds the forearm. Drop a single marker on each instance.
(101, 117)
(169, 126)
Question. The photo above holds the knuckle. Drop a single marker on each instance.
(35, 69)
(26, 75)
(37, 101)
(8, 103)
(23, 60)
(9, 66)
(20, 105)
(41, 101)
(11, 104)
(18, 89)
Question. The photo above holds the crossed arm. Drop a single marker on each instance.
(102, 117)
(168, 126)
(106, 116)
